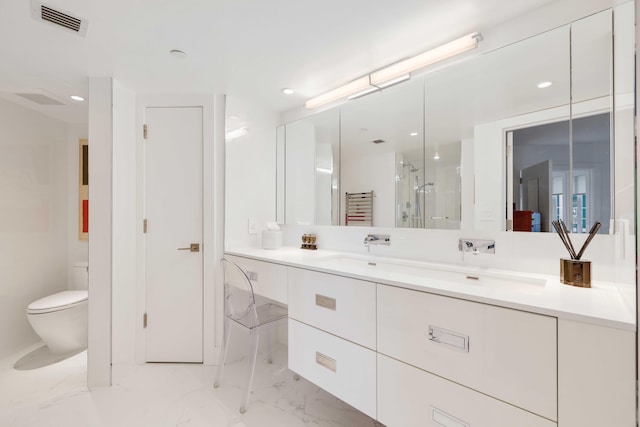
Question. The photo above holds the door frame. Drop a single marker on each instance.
(213, 116)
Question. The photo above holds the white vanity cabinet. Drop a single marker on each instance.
(410, 357)
(332, 335)
(268, 279)
(411, 397)
(508, 354)
(339, 305)
(344, 369)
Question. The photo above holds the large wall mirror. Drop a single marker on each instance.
(508, 140)
(311, 156)
(382, 151)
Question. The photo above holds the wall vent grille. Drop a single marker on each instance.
(58, 18)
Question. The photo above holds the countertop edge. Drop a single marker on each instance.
(624, 322)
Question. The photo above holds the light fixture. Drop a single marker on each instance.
(77, 98)
(436, 156)
(343, 91)
(413, 134)
(233, 117)
(544, 84)
(288, 91)
(453, 48)
(395, 73)
(176, 53)
(236, 133)
(324, 170)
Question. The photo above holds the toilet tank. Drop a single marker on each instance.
(80, 276)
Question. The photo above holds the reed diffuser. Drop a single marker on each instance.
(574, 271)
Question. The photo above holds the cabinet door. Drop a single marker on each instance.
(340, 305)
(507, 354)
(269, 280)
(596, 378)
(410, 397)
(344, 369)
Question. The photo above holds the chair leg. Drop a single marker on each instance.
(223, 353)
(270, 343)
(255, 338)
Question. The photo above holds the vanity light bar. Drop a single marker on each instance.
(395, 73)
(350, 88)
(440, 53)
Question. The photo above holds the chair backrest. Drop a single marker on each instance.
(240, 301)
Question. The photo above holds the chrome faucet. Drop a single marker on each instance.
(376, 239)
(477, 246)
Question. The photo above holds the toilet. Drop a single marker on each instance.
(61, 319)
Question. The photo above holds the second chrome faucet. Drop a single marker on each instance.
(376, 239)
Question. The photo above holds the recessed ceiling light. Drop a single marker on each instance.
(413, 134)
(234, 117)
(77, 98)
(542, 85)
(287, 91)
(436, 156)
(176, 53)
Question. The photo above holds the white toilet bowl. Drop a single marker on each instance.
(61, 319)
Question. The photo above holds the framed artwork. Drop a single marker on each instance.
(83, 191)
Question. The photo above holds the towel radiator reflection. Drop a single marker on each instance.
(359, 209)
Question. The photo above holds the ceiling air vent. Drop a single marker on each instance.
(41, 97)
(59, 18)
(378, 141)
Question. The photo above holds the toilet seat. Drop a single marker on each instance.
(56, 302)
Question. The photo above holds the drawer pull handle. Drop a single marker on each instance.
(326, 302)
(443, 419)
(452, 339)
(326, 361)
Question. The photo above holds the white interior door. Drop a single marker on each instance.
(173, 211)
(536, 188)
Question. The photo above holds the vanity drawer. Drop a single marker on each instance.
(344, 369)
(339, 305)
(507, 354)
(269, 280)
(410, 397)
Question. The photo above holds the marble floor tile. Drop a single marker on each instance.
(158, 395)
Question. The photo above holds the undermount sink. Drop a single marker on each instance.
(437, 272)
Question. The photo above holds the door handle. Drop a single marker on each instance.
(194, 247)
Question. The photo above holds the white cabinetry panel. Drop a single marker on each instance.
(344, 369)
(507, 354)
(410, 397)
(596, 381)
(269, 280)
(339, 305)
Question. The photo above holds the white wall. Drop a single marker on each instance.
(33, 217)
(100, 240)
(124, 225)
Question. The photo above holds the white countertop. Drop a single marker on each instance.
(603, 304)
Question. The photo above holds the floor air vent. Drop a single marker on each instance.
(59, 18)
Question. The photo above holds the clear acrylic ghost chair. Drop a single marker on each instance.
(240, 307)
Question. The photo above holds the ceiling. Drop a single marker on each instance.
(247, 49)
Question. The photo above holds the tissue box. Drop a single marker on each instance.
(271, 239)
